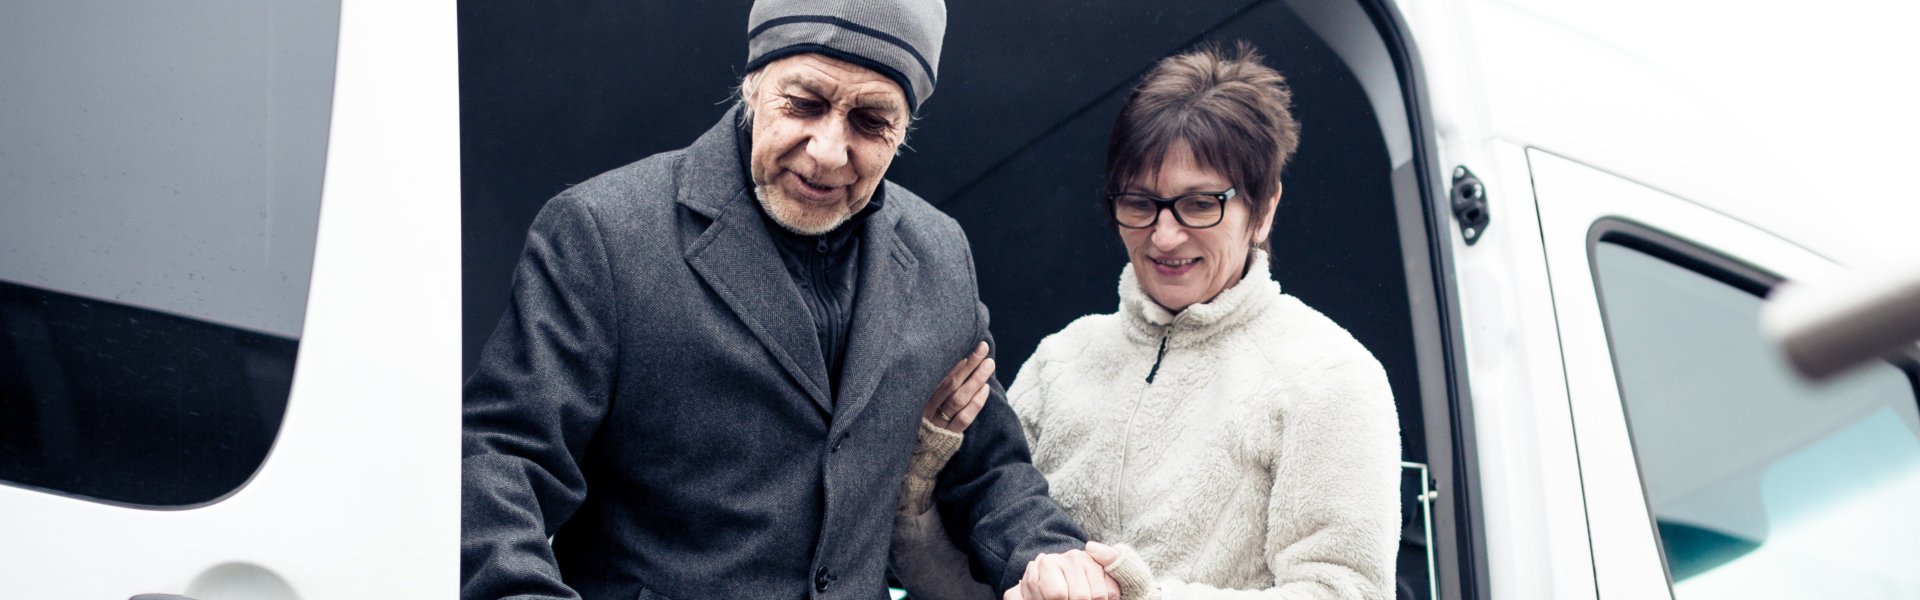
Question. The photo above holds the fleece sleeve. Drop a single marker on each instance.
(929, 565)
(932, 448)
(923, 557)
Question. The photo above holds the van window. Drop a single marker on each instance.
(1761, 485)
(160, 168)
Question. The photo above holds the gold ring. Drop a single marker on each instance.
(944, 415)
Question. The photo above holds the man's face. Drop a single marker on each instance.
(824, 132)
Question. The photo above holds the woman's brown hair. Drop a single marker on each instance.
(1232, 111)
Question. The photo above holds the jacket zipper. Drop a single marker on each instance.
(1126, 442)
(1161, 355)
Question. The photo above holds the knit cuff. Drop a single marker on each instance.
(1133, 575)
(935, 447)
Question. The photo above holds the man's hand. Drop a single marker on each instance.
(1074, 575)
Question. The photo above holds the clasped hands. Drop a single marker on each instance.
(1072, 575)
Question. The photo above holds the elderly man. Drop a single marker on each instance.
(710, 379)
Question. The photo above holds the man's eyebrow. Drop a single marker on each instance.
(878, 103)
(800, 81)
(870, 101)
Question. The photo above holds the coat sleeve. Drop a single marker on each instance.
(1334, 511)
(537, 396)
(992, 499)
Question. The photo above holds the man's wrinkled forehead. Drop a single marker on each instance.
(838, 82)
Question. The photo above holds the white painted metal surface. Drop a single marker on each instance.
(1571, 199)
(1568, 118)
(359, 497)
(1537, 540)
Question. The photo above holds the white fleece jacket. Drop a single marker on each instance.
(1261, 462)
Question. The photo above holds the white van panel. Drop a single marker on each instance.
(360, 495)
(1536, 520)
(1572, 197)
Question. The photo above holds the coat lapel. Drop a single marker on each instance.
(737, 260)
(887, 273)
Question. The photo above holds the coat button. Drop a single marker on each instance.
(822, 579)
(838, 442)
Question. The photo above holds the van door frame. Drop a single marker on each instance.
(1420, 199)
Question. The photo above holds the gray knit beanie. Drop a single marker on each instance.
(897, 38)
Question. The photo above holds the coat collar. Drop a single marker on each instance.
(736, 257)
(888, 271)
(710, 179)
(1147, 321)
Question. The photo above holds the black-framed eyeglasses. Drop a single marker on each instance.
(1198, 210)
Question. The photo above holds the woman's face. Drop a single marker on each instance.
(1179, 265)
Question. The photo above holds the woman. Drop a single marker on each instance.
(1231, 441)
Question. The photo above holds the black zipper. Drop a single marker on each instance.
(1162, 354)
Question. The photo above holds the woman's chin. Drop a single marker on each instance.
(1173, 299)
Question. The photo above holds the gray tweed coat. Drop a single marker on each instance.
(655, 400)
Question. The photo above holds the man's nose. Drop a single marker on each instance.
(1167, 231)
(827, 145)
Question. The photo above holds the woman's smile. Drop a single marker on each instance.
(1173, 267)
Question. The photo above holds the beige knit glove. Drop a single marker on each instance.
(1133, 575)
(930, 455)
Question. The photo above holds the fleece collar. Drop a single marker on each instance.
(1148, 322)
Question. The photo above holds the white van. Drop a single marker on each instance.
(1634, 434)
(229, 299)
(234, 314)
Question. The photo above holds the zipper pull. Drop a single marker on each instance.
(1162, 354)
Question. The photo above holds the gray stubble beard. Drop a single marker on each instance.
(761, 192)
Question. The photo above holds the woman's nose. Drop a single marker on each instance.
(1167, 230)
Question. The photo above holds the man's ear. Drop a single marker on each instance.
(1265, 227)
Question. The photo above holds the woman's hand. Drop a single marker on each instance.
(962, 393)
(958, 398)
(1127, 570)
